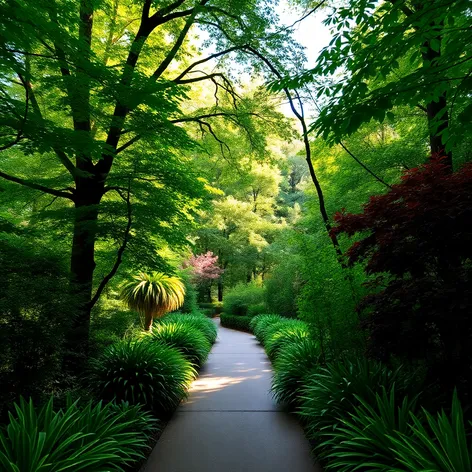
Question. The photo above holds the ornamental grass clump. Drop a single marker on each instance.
(142, 372)
(332, 392)
(185, 338)
(206, 326)
(284, 336)
(365, 435)
(76, 438)
(295, 361)
(438, 443)
(153, 295)
(260, 323)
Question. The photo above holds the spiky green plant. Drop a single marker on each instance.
(295, 361)
(153, 295)
(286, 334)
(332, 392)
(142, 372)
(200, 322)
(441, 445)
(185, 338)
(261, 322)
(76, 438)
(364, 437)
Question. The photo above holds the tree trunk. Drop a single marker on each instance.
(81, 274)
(148, 322)
(220, 290)
(437, 111)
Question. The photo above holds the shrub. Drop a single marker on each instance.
(198, 321)
(142, 372)
(236, 322)
(190, 300)
(293, 365)
(416, 243)
(89, 438)
(286, 335)
(259, 309)
(35, 314)
(283, 286)
(367, 433)
(440, 445)
(332, 392)
(283, 325)
(238, 299)
(263, 322)
(187, 339)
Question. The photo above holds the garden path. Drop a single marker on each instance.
(229, 423)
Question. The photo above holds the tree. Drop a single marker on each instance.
(415, 242)
(153, 295)
(205, 270)
(400, 52)
(100, 88)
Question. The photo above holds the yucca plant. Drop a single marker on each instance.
(364, 438)
(88, 438)
(443, 444)
(200, 322)
(261, 322)
(185, 338)
(153, 295)
(142, 372)
(295, 361)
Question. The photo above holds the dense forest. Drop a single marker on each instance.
(183, 157)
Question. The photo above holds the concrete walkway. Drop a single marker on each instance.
(229, 422)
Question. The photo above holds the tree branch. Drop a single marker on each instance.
(375, 176)
(42, 188)
(178, 43)
(122, 248)
(206, 59)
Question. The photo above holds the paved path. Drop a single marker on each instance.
(229, 422)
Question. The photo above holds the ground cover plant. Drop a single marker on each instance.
(187, 339)
(75, 438)
(142, 372)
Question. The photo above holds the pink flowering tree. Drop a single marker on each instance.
(205, 270)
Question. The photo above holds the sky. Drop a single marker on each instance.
(311, 32)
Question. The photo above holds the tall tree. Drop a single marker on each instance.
(95, 84)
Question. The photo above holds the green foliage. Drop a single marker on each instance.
(261, 323)
(141, 372)
(197, 321)
(35, 313)
(76, 438)
(153, 295)
(287, 334)
(187, 339)
(294, 364)
(190, 300)
(365, 435)
(283, 286)
(330, 393)
(236, 321)
(440, 445)
(259, 309)
(238, 299)
(283, 325)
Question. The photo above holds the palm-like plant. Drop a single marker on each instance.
(153, 295)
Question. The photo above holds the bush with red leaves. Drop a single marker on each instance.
(419, 243)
